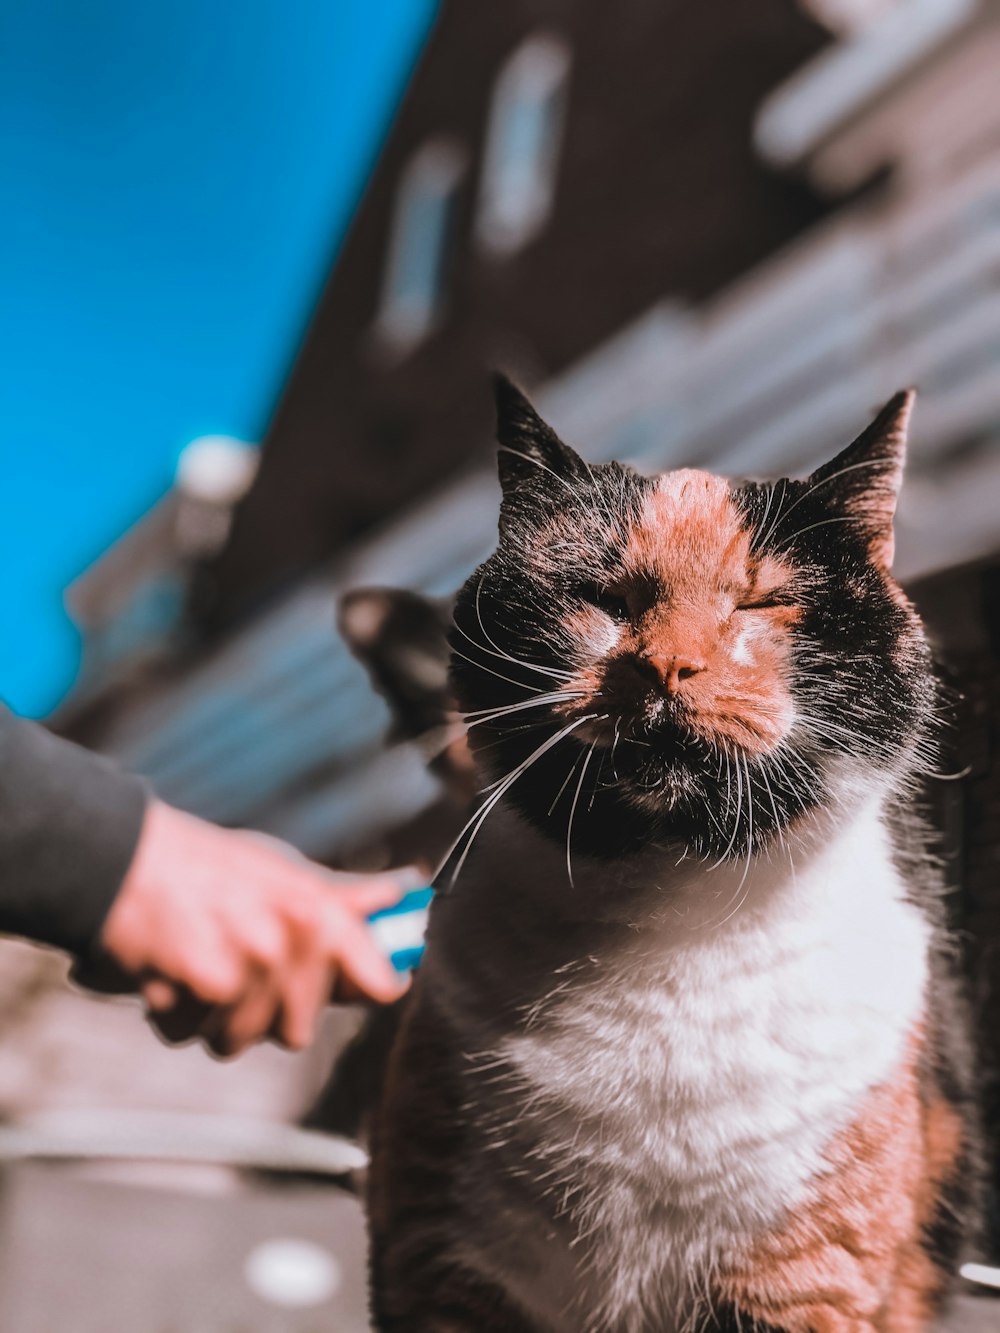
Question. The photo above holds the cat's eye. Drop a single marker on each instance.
(765, 602)
(613, 604)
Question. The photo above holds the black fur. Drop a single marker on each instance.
(860, 671)
(861, 667)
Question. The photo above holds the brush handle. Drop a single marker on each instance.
(399, 930)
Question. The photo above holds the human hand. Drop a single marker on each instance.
(231, 937)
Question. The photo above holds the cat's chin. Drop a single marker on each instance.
(630, 786)
(669, 733)
(655, 764)
(708, 804)
(677, 787)
(676, 736)
(668, 744)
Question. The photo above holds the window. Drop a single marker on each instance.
(418, 250)
(522, 144)
(881, 40)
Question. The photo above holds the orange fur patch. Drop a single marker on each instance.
(689, 524)
(691, 582)
(852, 1261)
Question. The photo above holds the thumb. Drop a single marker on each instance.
(351, 948)
(369, 893)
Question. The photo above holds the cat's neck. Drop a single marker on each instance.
(514, 910)
(660, 1026)
(665, 886)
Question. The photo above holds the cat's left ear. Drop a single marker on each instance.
(530, 450)
(401, 638)
(865, 479)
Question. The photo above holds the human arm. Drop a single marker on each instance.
(259, 937)
(225, 935)
(69, 826)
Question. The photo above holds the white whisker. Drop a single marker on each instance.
(508, 657)
(736, 821)
(572, 813)
(834, 476)
(849, 518)
(479, 818)
(777, 516)
(487, 714)
(527, 458)
(491, 672)
(565, 783)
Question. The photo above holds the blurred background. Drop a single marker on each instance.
(257, 264)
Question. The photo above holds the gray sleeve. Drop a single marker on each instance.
(69, 824)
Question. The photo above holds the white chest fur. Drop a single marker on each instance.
(679, 1090)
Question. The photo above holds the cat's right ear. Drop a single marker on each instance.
(863, 481)
(531, 454)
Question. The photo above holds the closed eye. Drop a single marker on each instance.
(767, 602)
(613, 604)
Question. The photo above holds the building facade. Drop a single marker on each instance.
(698, 243)
(555, 165)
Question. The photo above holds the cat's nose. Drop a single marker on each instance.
(671, 671)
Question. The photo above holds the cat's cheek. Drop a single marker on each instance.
(756, 732)
(746, 702)
(582, 687)
(592, 633)
(775, 721)
(743, 650)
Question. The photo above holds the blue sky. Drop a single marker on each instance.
(174, 180)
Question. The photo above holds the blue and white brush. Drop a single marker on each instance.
(399, 930)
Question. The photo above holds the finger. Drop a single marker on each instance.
(263, 940)
(346, 991)
(305, 991)
(362, 897)
(204, 961)
(182, 1022)
(229, 1031)
(217, 981)
(159, 993)
(360, 965)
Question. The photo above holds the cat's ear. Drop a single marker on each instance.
(530, 451)
(401, 638)
(863, 481)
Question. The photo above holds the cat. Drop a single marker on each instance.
(400, 637)
(683, 1052)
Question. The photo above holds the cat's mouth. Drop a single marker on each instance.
(666, 729)
(675, 733)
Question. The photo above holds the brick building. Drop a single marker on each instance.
(699, 241)
(555, 164)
